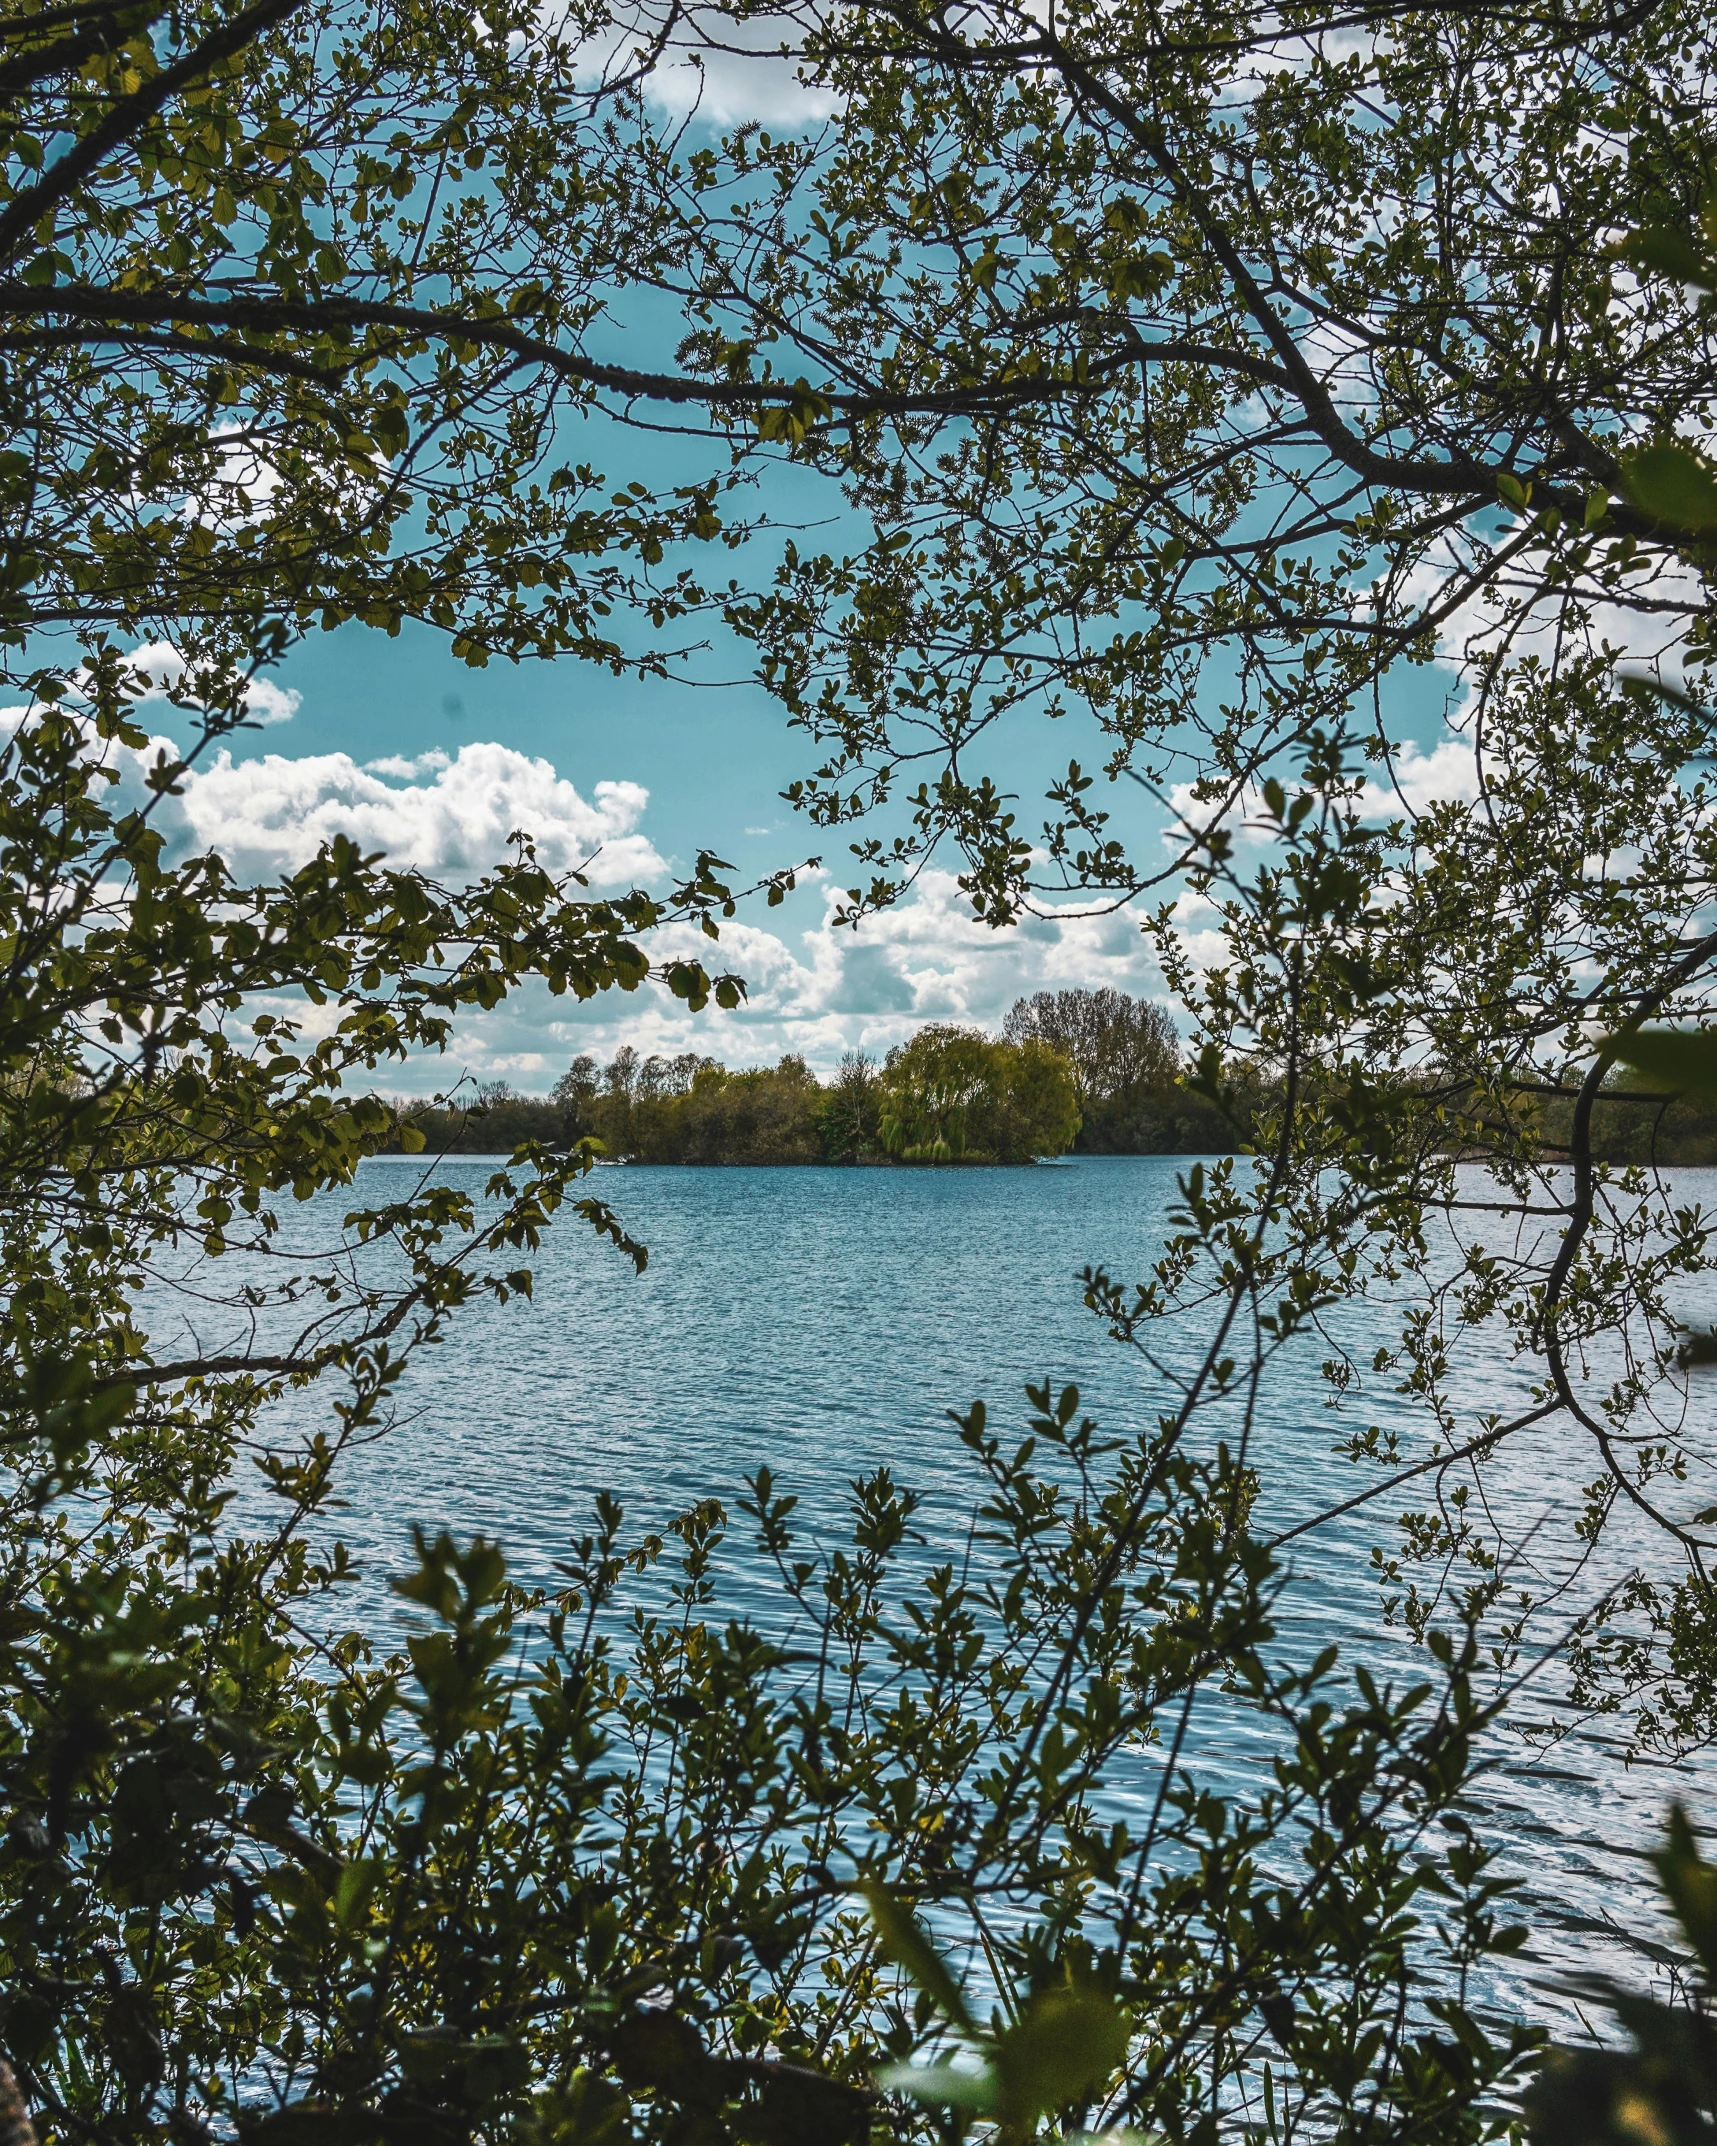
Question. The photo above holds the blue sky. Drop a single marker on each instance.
(396, 742)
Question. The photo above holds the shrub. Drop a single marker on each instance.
(590, 1863)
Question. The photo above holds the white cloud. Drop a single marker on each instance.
(1650, 639)
(450, 818)
(1415, 779)
(429, 763)
(727, 69)
(269, 703)
(818, 991)
(269, 815)
(929, 958)
(1448, 773)
(164, 667)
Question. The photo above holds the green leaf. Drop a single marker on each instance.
(1636, 681)
(1067, 2042)
(1691, 1884)
(905, 1943)
(1673, 483)
(1678, 1060)
(1668, 252)
(946, 2085)
(355, 1890)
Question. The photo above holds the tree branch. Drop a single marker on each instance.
(27, 209)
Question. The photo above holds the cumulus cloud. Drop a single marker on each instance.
(930, 959)
(820, 990)
(728, 70)
(161, 663)
(269, 703)
(1448, 773)
(449, 817)
(814, 987)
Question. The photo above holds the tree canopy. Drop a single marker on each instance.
(953, 1093)
(1127, 1072)
(1215, 385)
(1112, 1042)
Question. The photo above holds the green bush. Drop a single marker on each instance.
(590, 1863)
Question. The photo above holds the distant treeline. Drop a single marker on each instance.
(1664, 1130)
(1096, 1071)
(1091, 1070)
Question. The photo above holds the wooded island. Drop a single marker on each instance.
(1088, 1072)
(1099, 1071)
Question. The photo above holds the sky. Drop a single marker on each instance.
(398, 744)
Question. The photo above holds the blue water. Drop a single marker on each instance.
(824, 1321)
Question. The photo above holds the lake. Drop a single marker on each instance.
(823, 1321)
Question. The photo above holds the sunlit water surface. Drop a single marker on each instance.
(823, 1322)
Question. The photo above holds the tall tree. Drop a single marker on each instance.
(1111, 1041)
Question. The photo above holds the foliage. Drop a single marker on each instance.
(1629, 1124)
(691, 1109)
(272, 277)
(1246, 392)
(1126, 1064)
(1184, 450)
(954, 1094)
(852, 1110)
(177, 1058)
(325, 282)
(490, 1119)
(1199, 382)
(1112, 1042)
(1192, 378)
(582, 1864)
(697, 1111)
(1064, 2045)
(1663, 2089)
